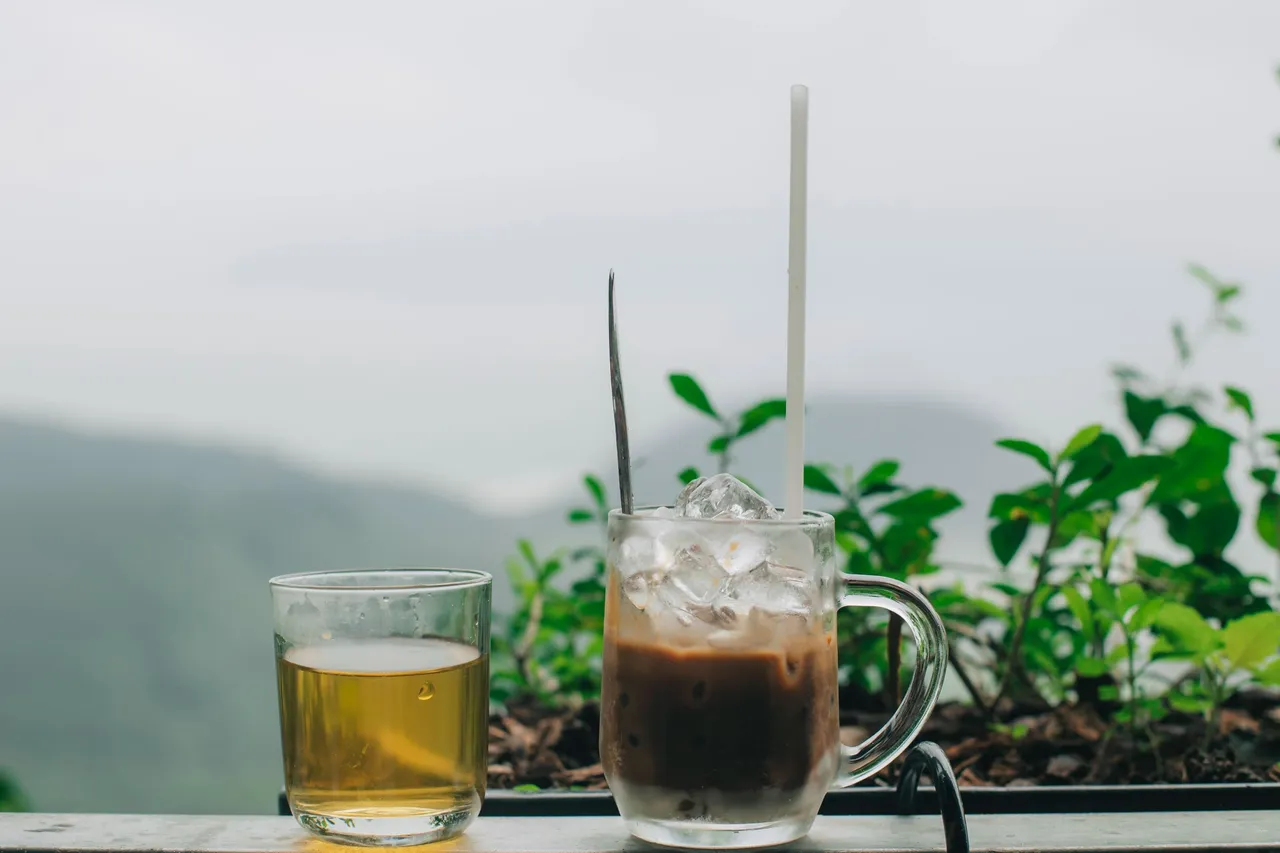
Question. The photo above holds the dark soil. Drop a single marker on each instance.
(1070, 745)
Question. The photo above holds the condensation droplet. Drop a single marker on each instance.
(426, 691)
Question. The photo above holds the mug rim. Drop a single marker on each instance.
(809, 518)
(313, 581)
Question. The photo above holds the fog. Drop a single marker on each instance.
(376, 236)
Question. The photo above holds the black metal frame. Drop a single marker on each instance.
(928, 757)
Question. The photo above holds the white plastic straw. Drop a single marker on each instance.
(794, 506)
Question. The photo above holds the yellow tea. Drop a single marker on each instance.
(384, 728)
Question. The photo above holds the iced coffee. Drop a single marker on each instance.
(719, 696)
(719, 715)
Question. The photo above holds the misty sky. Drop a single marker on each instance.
(376, 235)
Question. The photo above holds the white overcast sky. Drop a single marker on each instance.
(375, 235)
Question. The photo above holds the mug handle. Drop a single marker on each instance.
(869, 757)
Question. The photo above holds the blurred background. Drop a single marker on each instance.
(306, 285)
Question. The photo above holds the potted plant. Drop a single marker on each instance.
(1114, 658)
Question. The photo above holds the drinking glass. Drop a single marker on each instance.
(719, 712)
(383, 678)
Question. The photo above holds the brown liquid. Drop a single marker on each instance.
(737, 722)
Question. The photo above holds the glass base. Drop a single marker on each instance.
(718, 836)
(388, 830)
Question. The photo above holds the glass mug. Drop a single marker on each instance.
(384, 701)
(719, 714)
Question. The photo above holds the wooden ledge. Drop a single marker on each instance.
(1079, 833)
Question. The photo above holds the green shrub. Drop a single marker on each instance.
(1081, 610)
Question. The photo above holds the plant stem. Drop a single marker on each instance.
(893, 678)
(523, 649)
(969, 683)
(1133, 685)
(1042, 571)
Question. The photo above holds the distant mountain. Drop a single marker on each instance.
(136, 672)
(134, 617)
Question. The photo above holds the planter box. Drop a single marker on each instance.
(883, 801)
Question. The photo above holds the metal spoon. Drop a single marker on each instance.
(619, 410)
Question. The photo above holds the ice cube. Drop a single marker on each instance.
(637, 588)
(773, 589)
(792, 548)
(675, 539)
(741, 551)
(636, 554)
(751, 630)
(693, 580)
(722, 496)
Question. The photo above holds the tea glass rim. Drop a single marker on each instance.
(809, 519)
(393, 578)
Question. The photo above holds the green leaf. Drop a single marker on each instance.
(1104, 597)
(1222, 291)
(1007, 537)
(1204, 276)
(1273, 437)
(1082, 439)
(1189, 704)
(1129, 596)
(815, 479)
(1126, 373)
(881, 472)
(1145, 615)
(760, 414)
(1188, 413)
(549, 570)
(1186, 629)
(1143, 412)
(1125, 476)
(1079, 608)
(850, 519)
(923, 505)
(1006, 588)
(578, 516)
(1027, 448)
(1091, 667)
(719, 444)
(1095, 461)
(1240, 400)
(1199, 465)
(1032, 503)
(688, 389)
(1249, 641)
(526, 551)
(687, 475)
(1265, 476)
(1268, 675)
(596, 488)
(1181, 344)
(1075, 524)
(1268, 523)
(1207, 531)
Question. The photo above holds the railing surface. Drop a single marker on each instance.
(1077, 833)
